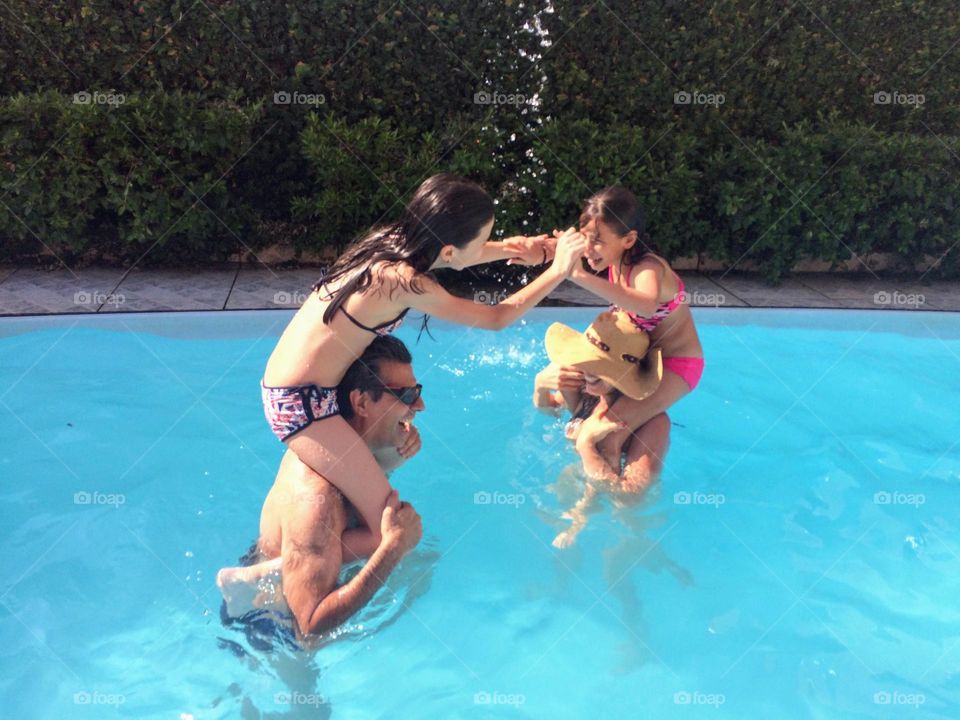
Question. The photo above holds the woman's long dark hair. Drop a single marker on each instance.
(618, 208)
(445, 210)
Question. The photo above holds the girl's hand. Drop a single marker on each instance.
(526, 250)
(550, 245)
(570, 248)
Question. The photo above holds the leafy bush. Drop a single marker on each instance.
(115, 181)
(819, 195)
(777, 64)
(778, 172)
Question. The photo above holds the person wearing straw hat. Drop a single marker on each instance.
(588, 372)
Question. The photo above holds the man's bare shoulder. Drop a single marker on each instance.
(303, 508)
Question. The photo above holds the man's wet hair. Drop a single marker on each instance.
(364, 374)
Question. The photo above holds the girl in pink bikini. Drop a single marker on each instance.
(642, 284)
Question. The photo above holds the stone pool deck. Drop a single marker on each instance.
(29, 291)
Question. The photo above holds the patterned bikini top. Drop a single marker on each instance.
(648, 324)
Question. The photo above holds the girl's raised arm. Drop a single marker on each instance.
(640, 298)
(436, 301)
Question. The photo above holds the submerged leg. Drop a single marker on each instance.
(645, 454)
(578, 514)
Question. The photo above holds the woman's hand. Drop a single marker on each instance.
(550, 245)
(561, 377)
(526, 250)
(570, 248)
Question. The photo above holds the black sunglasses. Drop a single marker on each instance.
(406, 395)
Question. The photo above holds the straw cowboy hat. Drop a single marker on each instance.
(613, 349)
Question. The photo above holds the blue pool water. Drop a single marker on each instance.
(799, 558)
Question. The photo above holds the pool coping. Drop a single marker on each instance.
(36, 292)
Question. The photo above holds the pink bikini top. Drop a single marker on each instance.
(663, 309)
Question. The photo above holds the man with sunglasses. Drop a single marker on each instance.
(304, 516)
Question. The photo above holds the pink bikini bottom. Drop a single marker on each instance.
(688, 368)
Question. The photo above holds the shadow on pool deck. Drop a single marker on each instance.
(29, 291)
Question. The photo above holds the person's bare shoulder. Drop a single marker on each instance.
(311, 530)
(308, 508)
(650, 262)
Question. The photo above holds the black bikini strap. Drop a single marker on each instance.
(373, 330)
(356, 322)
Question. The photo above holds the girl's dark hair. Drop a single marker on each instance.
(618, 208)
(445, 210)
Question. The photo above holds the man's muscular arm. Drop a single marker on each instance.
(312, 557)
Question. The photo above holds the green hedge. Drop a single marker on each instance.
(363, 173)
(120, 180)
(777, 64)
(398, 84)
(421, 61)
(818, 195)
(150, 173)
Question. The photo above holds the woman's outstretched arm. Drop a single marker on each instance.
(436, 301)
(513, 247)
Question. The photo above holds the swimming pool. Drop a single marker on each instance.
(798, 559)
